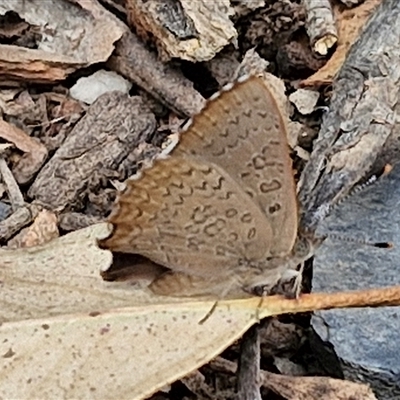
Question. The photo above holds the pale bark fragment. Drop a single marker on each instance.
(186, 29)
(351, 3)
(43, 230)
(71, 36)
(320, 25)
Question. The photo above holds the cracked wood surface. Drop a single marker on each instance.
(99, 143)
(359, 134)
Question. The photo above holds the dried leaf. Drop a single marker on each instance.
(63, 277)
(59, 277)
(126, 353)
(97, 340)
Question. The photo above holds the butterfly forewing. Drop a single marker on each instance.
(189, 216)
(243, 132)
(221, 206)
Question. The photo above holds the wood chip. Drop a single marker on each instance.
(99, 143)
(191, 30)
(35, 153)
(69, 36)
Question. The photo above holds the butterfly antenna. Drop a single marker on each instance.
(325, 210)
(380, 245)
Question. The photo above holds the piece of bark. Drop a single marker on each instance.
(16, 221)
(35, 153)
(43, 229)
(132, 60)
(315, 387)
(14, 102)
(68, 36)
(14, 193)
(305, 388)
(72, 221)
(99, 143)
(245, 7)
(252, 64)
(191, 30)
(351, 3)
(223, 66)
(362, 118)
(304, 100)
(89, 88)
(320, 25)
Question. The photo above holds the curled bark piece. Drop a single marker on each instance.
(320, 25)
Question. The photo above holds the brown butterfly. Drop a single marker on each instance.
(220, 213)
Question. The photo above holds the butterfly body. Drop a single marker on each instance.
(220, 212)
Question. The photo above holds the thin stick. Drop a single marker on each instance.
(323, 301)
(15, 195)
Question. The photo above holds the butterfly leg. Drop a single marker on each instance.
(209, 313)
(182, 285)
(289, 284)
(298, 282)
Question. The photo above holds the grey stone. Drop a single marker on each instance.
(5, 210)
(367, 341)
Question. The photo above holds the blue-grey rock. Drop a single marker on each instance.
(5, 210)
(367, 341)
